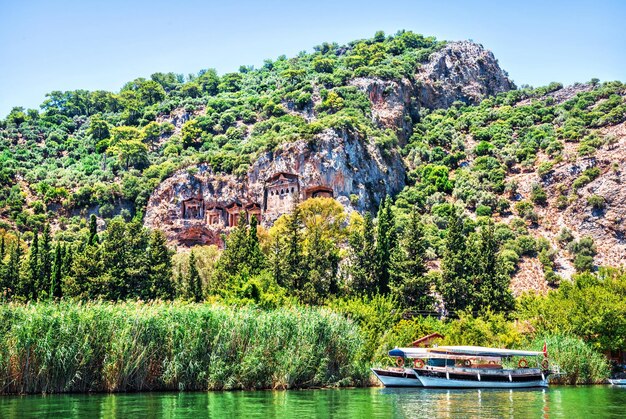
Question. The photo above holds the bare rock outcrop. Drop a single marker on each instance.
(463, 71)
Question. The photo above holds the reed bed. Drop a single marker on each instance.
(106, 347)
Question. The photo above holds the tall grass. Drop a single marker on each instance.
(71, 347)
(577, 361)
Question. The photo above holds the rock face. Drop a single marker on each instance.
(195, 206)
(462, 71)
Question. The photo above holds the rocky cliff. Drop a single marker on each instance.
(196, 205)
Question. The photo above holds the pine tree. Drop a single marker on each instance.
(93, 231)
(2, 248)
(57, 273)
(160, 265)
(456, 289)
(194, 282)
(45, 258)
(409, 268)
(31, 281)
(385, 243)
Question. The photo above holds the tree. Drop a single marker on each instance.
(363, 257)
(194, 282)
(130, 153)
(160, 267)
(489, 278)
(99, 129)
(294, 276)
(385, 243)
(30, 288)
(409, 268)
(124, 258)
(151, 92)
(93, 231)
(13, 268)
(455, 288)
(45, 256)
(57, 274)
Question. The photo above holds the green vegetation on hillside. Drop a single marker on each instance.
(99, 149)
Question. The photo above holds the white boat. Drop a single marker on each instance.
(397, 377)
(464, 367)
(617, 381)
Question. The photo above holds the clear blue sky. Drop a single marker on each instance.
(50, 45)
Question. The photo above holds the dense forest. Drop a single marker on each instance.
(75, 178)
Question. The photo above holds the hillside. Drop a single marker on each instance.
(438, 126)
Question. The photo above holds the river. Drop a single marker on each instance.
(556, 402)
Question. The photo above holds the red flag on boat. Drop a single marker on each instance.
(545, 349)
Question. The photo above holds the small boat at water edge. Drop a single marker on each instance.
(397, 377)
(464, 367)
(617, 381)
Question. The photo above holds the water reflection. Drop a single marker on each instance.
(556, 402)
(479, 403)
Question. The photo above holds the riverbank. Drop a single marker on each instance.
(105, 347)
(175, 346)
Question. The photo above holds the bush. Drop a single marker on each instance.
(538, 194)
(597, 202)
(483, 211)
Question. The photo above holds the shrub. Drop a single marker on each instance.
(538, 194)
(597, 202)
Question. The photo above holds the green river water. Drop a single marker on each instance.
(557, 402)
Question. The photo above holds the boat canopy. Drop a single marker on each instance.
(457, 352)
(482, 351)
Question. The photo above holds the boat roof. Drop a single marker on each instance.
(459, 351)
(482, 351)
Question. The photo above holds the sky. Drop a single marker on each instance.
(48, 45)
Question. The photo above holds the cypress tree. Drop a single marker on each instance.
(30, 289)
(362, 243)
(57, 274)
(68, 259)
(93, 231)
(409, 267)
(385, 243)
(45, 257)
(490, 281)
(194, 282)
(2, 268)
(160, 265)
(294, 272)
(13, 275)
(455, 287)
(255, 258)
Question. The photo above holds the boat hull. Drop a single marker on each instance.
(394, 378)
(481, 378)
(436, 382)
(618, 381)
